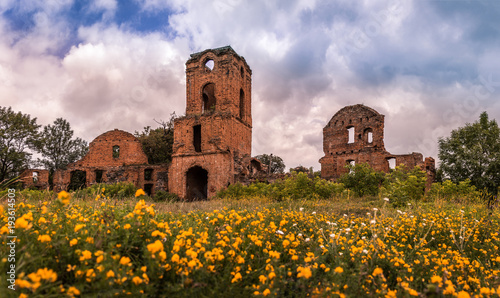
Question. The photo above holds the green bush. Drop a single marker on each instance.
(297, 186)
(362, 180)
(457, 192)
(164, 196)
(402, 185)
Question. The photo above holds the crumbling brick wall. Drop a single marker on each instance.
(214, 139)
(354, 135)
(103, 164)
(35, 178)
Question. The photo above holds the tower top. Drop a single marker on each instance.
(226, 50)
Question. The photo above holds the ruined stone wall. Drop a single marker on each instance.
(219, 166)
(366, 144)
(35, 178)
(101, 150)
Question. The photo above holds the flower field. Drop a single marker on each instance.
(104, 248)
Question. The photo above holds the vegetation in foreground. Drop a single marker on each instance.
(256, 247)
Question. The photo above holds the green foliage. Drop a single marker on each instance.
(164, 196)
(120, 190)
(473, 152)
(460, 192)
(402, 185)
(157, 143)
(57, 146)
(18, 133)
(274, 162)
(295, 187)
(362, 180)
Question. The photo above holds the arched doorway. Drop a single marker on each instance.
(196, 184)
(78, 179)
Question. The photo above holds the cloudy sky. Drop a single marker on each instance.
(429, 66)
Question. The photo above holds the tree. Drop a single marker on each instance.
(57, 146)
(18, 133)
(274, 162)
(362, 179)
(158, 143)
(473, 152)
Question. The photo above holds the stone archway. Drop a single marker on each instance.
(78, 180)
(196, 184)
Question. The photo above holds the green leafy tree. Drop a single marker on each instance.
(473, 152)
(362, 179)
(158, 143)
(274, 162)
(18, 133)
(403, 185)
(57, 146)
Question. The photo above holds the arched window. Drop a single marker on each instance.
(210, 64)
(242, 103)
(116, 151)
(368, 135)
(392, 163)
(209, 101)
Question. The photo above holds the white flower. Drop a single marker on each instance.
(375, 236)
(340, 253)
(301, 209)
(348, 230)
(345, 215)
(365, 251)
(294, 224)
(409, 204)
(328, 222)
(373, 221)
(314, 212)
(461, 211)
(368, 213)
(321, 246)
(375, 209)
(399, 211)
(206, 217)
(364, 237)
(386, 199)
(363, 224)
(280, 232)
(332, 235)
(335, 224)
(299, 235)
(307, 239)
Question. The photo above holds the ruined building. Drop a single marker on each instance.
(114, 156)
(213, 141)
(355, 134)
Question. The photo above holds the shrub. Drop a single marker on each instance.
(362, 180)
(402, 186)
(164, 196)
(456, 192)
(118, 190)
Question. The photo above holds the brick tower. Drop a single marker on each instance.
(216, 131)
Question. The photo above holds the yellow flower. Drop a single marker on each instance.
(125, 261)
(377, 271)
(237, 277)
(110, 274)
(72, 291)
(79, 227)
(63, 197)
(127, 226)
(304, 272)
(44, 238)
(86, 255)
(155, 247)
(22, 223)
(140, 192)
(136, 280)
(463, 294)
(266, 292)
(42, 220)
(73, 242)
(339, 270)
(436, 279)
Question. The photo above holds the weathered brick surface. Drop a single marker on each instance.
(130, 165)
(35, 178)
(218, 105)
(365, 121)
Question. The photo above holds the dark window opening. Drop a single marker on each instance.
(359, 137)
(116, 151)
(98, 176)
(78, 179)
(242, 72)
(148, 174)
(197, 138)
(196, 184)
(208, 96)
(148, 189)
(242, 103)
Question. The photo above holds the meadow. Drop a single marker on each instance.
(94, 245)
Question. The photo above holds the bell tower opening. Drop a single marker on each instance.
(208, 95)
(196, 184)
